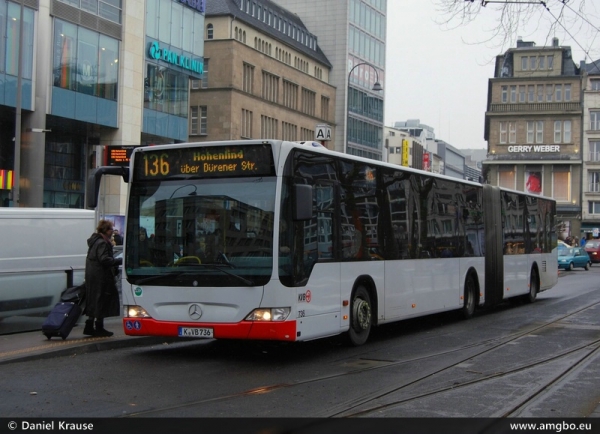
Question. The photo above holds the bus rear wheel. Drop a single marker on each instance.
(470, 297)
(534, 286)
(361, 319)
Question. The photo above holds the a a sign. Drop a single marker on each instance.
(156, 52)
(117, 155)
(323, 132)
(534, 148)
(204, 162)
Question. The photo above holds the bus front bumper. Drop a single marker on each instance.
(257, 330)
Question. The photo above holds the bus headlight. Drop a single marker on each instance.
(272, 314)
(135, 312)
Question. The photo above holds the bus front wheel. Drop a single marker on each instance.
(361, 318)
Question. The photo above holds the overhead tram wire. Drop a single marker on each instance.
(486, 2)
(576, 12)
(564, 28)
(582, 17)
(544, 4)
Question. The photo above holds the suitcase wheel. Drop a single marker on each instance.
(47, 336)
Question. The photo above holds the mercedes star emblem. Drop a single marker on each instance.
(195, 312)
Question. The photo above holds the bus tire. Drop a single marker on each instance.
(361, 316)
(534, 286)
(470, 298)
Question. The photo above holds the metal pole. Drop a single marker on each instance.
(16, 193)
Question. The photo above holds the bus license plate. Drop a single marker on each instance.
(195, 332)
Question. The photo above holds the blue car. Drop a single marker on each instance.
(571, 257)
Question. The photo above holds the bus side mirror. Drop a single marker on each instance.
(93, 184)
(303, 202)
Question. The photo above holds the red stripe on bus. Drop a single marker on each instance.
(282, 331)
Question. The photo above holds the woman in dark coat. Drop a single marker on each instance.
(102, 296)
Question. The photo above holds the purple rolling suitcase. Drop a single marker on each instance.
(61, 320)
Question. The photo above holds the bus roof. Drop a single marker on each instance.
(316, 147)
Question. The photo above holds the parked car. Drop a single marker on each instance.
(593, 249)
(571, 257)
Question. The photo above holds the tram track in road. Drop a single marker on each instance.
(506, 340)
(367, 405)
(589, 349)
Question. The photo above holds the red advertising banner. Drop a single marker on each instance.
(426, 161)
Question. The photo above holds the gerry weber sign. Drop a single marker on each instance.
(535, 148)
(157, 53)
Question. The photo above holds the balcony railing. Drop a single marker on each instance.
(593, 157)
(536, 107)
(594, 187)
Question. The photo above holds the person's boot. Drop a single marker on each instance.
(89, 328)
(100, 331)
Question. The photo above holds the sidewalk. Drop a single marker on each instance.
(34, 345)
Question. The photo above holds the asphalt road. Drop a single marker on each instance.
(518, 360)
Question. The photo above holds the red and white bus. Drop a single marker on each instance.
(287, 241)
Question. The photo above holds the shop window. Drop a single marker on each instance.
(85, 61)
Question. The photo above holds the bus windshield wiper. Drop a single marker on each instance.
(220, 268)
(181, 273)
(158, 276)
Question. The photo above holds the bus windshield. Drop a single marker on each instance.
(201, 232)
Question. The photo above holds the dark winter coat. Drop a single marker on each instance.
(102, 296)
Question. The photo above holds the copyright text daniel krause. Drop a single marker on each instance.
(50, 426)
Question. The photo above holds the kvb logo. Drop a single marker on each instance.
(305, 296)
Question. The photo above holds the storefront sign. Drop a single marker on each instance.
(405, 152)
(199, 5)
(157, 53)
(534, 148)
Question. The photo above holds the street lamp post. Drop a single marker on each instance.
(15, 192)
(376, 87)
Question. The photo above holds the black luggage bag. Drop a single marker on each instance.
(61, 320)
(74, 294)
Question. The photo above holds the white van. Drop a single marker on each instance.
(42, 251)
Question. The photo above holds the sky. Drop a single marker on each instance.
(440, 75)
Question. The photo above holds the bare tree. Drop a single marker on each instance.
(574, 22)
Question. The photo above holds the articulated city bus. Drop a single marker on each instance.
(264, 239)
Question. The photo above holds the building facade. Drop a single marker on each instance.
(352, 34)
(96, 77)
(266, 76)
(590, 151)
(403, 149)
(533, 127)
(452, 161)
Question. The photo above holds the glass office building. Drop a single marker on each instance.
(89, 84)
(352, 34)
